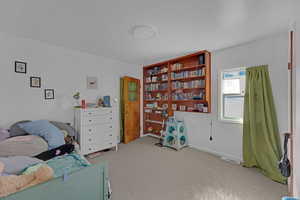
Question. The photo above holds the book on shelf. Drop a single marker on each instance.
(188, 84)
(156, 86)
(157, 70)
(200, 95)
(188, 74)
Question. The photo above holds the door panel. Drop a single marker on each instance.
(131, 109)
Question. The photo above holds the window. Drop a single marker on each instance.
(232, 95)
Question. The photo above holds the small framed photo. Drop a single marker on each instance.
(49, 94)
(92, 82)
(35, 82)
(20, 67)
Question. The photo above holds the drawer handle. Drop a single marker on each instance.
(110, 111)
(111, 118)
(110, 126)
(90, 120)
(90, 140)
(90, 113)
(90, 149)
(90, 130)
(110, 143)
(110, 135)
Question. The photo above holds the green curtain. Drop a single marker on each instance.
(261, 141)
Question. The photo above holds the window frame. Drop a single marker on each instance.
(221, 95)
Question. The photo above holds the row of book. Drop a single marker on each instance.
(158, 97)
(189, 84)
(201, 107)
(163, 77)
(188, 74)
(189, 96)
(156, 86)
(157, 70)
(176, 66)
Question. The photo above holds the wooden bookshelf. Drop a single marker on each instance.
(184, 81)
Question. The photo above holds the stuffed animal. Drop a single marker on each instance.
(13, 183)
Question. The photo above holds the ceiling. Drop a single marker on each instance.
(102, 27)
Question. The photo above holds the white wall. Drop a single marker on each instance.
(61, 69)
(296, 159)
(227, 137)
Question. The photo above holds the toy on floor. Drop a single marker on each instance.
(13, 183)
(175, 134)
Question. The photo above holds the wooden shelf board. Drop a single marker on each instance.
(194, 101)
(189, 78)
(189, 89)
(189, 68)
(157, 82)
(155, 109)
(190, 111)
(157, 91)
(156, 100)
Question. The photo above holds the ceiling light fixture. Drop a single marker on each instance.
(143, 32)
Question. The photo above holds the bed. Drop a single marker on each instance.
(85, 182)
(90, 183)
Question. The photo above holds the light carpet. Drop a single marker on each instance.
(142, 171)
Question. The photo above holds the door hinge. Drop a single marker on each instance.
(290, 66)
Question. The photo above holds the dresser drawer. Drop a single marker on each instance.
(99, 138)
(94, 120)
(97, 129)
(91, 148)
(96, 112)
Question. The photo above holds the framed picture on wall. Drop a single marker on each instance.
(20, 67)
(35, 82)
(49, 94)
(92, 82)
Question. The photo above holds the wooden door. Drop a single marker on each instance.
(131, 100)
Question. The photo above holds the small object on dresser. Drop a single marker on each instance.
(100, 103)
(83, 103)
(91, 105)
(76, 97)
(106, 101)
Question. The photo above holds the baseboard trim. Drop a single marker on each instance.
(223, 156)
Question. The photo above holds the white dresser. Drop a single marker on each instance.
(96, 128)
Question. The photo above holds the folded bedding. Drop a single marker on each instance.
(46, 130)
(15, 129)
(29, 145)
(62, 165)
(67, 164)
(14, 165)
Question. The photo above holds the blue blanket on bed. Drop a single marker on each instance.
(66, 164)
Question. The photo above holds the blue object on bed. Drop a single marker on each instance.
(46, 130)
(63, 165)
